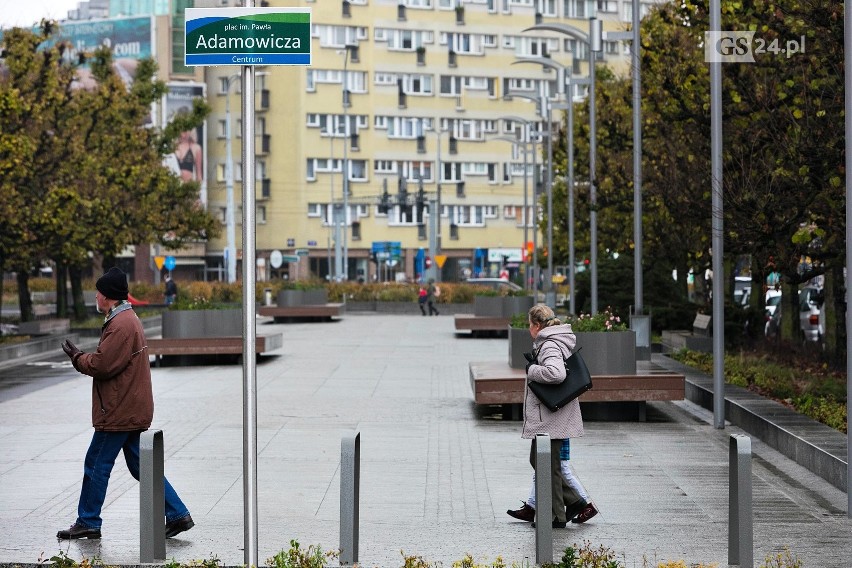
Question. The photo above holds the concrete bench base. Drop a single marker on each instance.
(478, 325)
(210, 346)
(44, 326)
(495, 382)
(316, 312)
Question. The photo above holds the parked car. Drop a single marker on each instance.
(773, 312)
(495, 284)
(811, 314)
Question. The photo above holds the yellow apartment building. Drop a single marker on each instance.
(403, 99)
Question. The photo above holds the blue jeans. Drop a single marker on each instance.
(96, 470)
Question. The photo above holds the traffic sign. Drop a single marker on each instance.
(440, 259)
(247, 36)
(170, 263)
(158, 261)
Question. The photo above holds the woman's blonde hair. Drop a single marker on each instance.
(542, 315)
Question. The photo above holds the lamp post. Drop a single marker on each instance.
(343, 272)
(532, 142)
(435, 244)
(593, 40)
(516, 143)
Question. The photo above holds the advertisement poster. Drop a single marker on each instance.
(190, 157)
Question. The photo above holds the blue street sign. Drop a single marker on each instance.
(170, 263)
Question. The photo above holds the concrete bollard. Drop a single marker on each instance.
(740, 517)
(152, 498)
(543, 502)
(350, 479)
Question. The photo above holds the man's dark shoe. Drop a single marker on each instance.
(586, 514)
(525, 513)
(557, 524)
(76, 531)
(575, 509)
(178, 526)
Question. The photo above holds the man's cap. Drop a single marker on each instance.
(113, 284)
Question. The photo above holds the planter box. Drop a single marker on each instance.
(202, 323)
(517, 305)
(290, 298)
(608, 352)
(520, 342)
(488, 306)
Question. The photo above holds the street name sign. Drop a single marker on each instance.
(248, 36)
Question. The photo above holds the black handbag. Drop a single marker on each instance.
(577, 381)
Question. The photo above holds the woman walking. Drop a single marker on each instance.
(553, 342)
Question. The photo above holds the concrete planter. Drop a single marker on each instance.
(520, 342)
(488, 306)
(202, 323)
(290, 298)
(608, 352)
(517, 305)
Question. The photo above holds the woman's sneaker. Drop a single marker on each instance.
(587, 513)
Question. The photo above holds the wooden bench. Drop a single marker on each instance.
(322, 312)
(495, 382)
(482, 324)
(165, 346)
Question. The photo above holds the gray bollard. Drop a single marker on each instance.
(152, 498)
(350, 479)
(543, 502)
(740, 518)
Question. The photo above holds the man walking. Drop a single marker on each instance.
(122, 407)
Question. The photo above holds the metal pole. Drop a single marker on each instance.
(433, 234)
(543, 502)
(345, 274)
(249, 329)
(525, 216)
(593, 143)
(437, 270)
(229, 189)
(350, 481)
(847, 79)
(152, 501)
(535, 218)
(740, 516)
(637, 162)
(717, 227)
(569, 186)
(549, 283)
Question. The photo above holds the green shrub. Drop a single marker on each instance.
(296, 557)
(782, 560)
(398, 293)
(520, 321)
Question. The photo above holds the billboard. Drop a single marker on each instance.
(190, 156)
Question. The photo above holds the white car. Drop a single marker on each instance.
(811, 314)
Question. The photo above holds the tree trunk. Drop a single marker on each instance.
(25, 303)
(61, 289)
(76, 277)
(789, 310)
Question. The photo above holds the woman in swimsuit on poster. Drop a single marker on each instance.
(190, 157)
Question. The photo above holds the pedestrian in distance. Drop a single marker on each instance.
(171, 290)
(432, 293)
(421, 300)
(553, 342)
(122, 407)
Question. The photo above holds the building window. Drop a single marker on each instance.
(315, 209)
(261, 214)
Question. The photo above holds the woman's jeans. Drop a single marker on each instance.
(96, 470)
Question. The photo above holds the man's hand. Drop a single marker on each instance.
(70, 349)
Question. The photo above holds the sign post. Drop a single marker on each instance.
(246, 37)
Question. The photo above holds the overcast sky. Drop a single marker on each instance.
(27, 12)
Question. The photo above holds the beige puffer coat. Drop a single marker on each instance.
(553, 344)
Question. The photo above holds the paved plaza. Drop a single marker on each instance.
(437, 475)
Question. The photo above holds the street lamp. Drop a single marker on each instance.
(435, 244)
(342, 267)
(516, 143)
(593, 40)
(539, 102)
